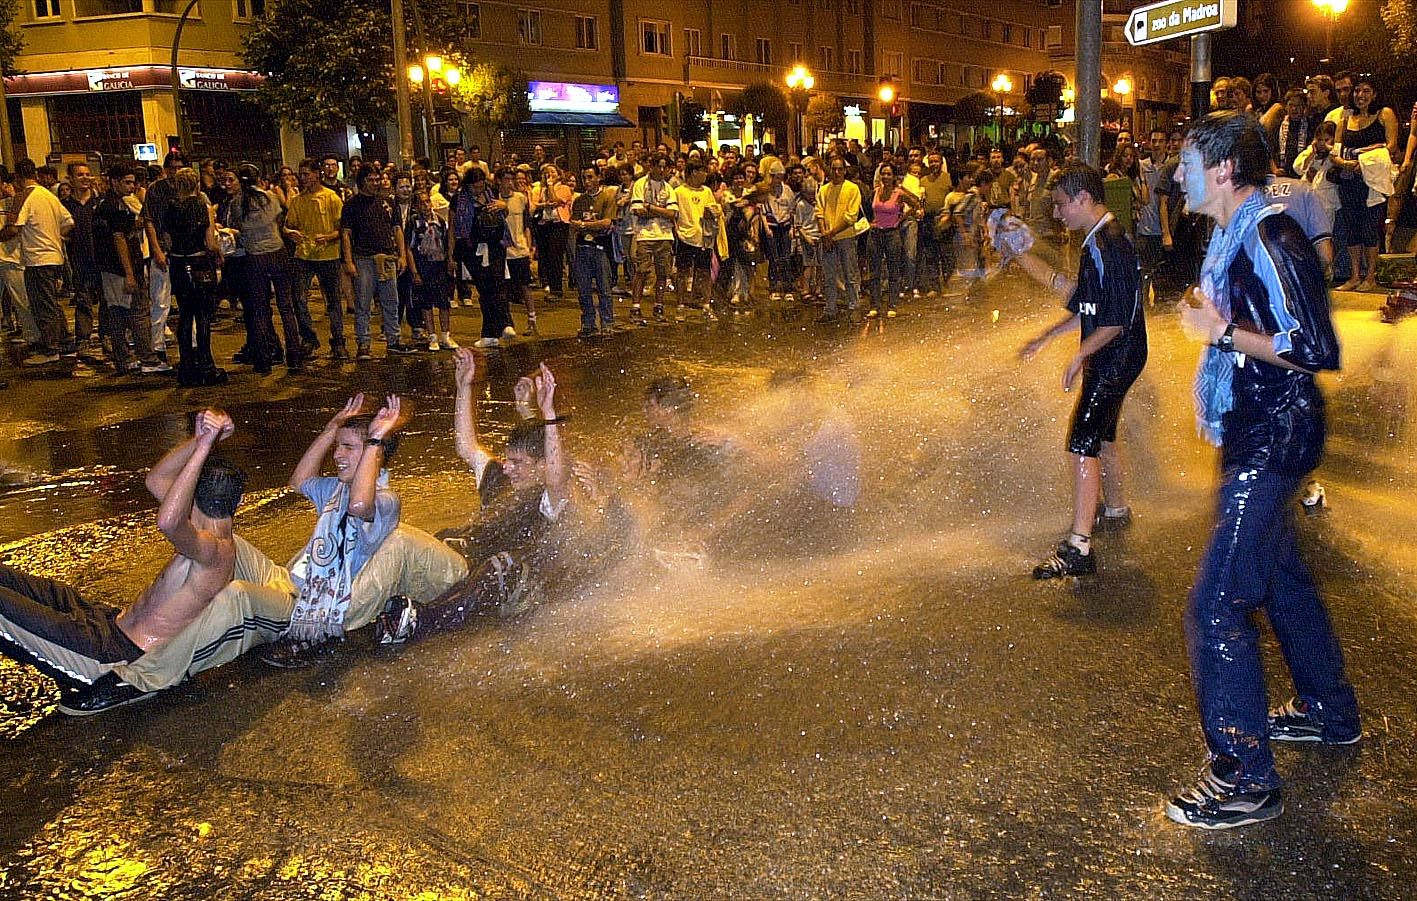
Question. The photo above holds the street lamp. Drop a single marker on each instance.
(1002, 85)
(433, 72)
(1122, 87)
(799, 82)
(1331, 10)
(885, 92)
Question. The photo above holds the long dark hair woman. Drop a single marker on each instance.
(1368, 127)
(477, 224)
(257, 214)
(192, 265)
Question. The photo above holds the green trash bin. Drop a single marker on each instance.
(1119, 200)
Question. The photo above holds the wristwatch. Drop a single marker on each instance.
(1226, 342)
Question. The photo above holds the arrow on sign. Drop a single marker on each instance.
(1136, 28)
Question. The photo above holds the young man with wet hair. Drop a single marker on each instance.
(1104, 304)
(80, 642)
(1262, 311)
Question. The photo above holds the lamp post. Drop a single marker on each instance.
(429, 75)
(885, 92)
(1002, 85)
(799, 82)
(1122, 87)
(1331, 10)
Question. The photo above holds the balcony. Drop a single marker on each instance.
(707, 68)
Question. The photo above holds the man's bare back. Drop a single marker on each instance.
(178, 595)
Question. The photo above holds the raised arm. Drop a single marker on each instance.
(174, 514)
(557, 473)
(162, 476)
(309, 465)
(364, 486)
(465, 418)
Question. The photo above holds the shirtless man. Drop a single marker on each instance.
(79, 642)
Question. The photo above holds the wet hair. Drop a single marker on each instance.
(1235, 136)
(119, 170)
(361, 424)
(1376, 105)
(185, 180)
(24, 168)
(49, 171)
(528, 437)
(219, 487)
(311, 164)
(251, 195)
(672, 392)
(364, 174)
(1074, 177)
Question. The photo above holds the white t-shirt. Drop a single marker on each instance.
(647, 193)
(43, 221)
(517, 205)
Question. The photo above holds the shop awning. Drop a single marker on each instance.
(581, 120)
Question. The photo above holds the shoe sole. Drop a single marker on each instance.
(1177, 815)
(70, 711)
(1314, 740)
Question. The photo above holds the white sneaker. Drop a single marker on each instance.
(433, 345)
(775, 296)
(446, 339)
(915, 293)
(486, 342)
(789, 297)
(508, 333)
(159, 366)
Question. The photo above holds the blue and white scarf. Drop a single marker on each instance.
(1214, 386)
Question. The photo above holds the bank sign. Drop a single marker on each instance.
(1178, 19)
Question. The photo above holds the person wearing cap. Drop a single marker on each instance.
(778, 205)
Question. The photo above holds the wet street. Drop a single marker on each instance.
(873, 702)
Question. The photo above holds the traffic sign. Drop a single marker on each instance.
(1179, 18)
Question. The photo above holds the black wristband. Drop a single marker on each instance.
(374, 442)
(558, 420)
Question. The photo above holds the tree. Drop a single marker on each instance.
(1111, 110)
(973, 109)
(11, 41)
(824, 114)
(693, 122)
(492, 98)
(1046, 93)
(764, 102)
(329, 63)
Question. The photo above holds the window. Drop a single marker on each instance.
(890, 9)
(1053, 37)
(917, 15)
(853, 7)
(795, 51)
(827, 58)
(727, 47)
(471, 19)
(694, 41)
(529, 26)
(1006, 33)
(46, 9)
(928, 71)
(986, 30)
(853, 62)
(892, 63)
(762, 51)
(975, 77)
(654, 37)
(587, 37)
(1028, 37)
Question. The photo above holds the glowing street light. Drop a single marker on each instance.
(800, 78)
(799, 81)
(1122, 87)
(1331, 10)
(885, 91)
(434, 70)
(1002, 84)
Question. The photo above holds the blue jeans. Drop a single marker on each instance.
(887, 265)
(327, 271)
(1253, 562)
(592, 270)
(910, 247)
(365, 287)
(840, 272)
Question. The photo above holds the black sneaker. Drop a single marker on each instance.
(659, 313)
(106, 693)
(401, 349)
(1066, 561)
(1112, 522)
(398, 622)
(1214, 802)
(290, 653)
(338, 354)
(363, 353)
(1294, 721)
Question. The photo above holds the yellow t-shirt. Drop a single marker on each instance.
(692, 205)
(315, 213)
(838, 206)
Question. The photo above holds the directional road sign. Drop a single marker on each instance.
(1179, 18)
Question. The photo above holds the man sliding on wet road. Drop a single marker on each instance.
(1262, 309)
(79, 642)
(1105, 303)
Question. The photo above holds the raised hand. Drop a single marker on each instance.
(351, 409)
(466, 363)
(207, 427)
(522, 393)
(222, 420)
(390, 418)
(590, 480)
(545, 384)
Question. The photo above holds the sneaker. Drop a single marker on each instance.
(433, 345)
(363, 353)
(338, 354)
(710, 315)
(776, 295)
(1215, 802)
(446, 339)
(288, 653)
(106, 693)
(398, 622)
(508, 333)
(1066, 561)
(83, 371)
(401, 349)
(156, 366)
(890, 314)
(790, 297)
(872, 313)
(659, 313)
(587, 333)
(531, 331)
(1115, 521)
(486, 342)
(915, 293)
(1294, 721)
(41, 359)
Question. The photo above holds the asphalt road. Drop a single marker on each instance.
(898, 713)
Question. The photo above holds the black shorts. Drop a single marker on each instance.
(1098, 408)
(687, 256)
(518, 271)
